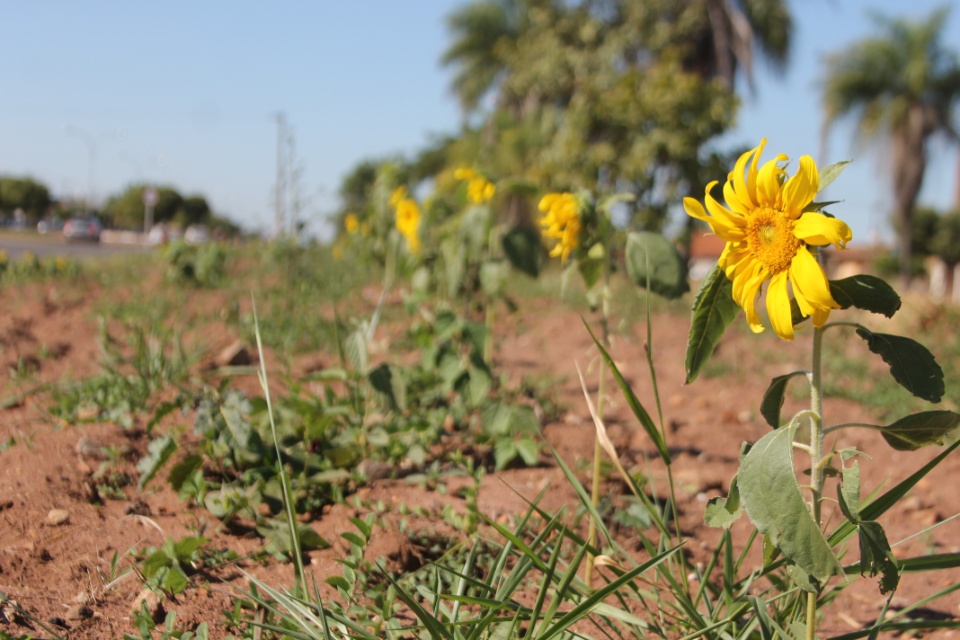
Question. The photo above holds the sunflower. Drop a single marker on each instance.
(407, 220)
(351, 223)
(479, 189)
(769, 231)
(561, 221)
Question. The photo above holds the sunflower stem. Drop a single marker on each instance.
(816, 455)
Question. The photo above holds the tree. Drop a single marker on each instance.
(484, 35)
(26, 194)
(900, 87)
(729, 32)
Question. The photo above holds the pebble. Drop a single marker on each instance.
(56, 517)
(154, 606)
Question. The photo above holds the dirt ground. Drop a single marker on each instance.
(58, 537)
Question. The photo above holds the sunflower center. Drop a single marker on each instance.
(771, 239)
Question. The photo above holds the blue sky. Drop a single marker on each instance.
(192, 89)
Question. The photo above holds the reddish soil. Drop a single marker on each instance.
(58, 568)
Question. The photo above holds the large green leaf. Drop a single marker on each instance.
(911, 364)
(713, 311)
(865, 292)
(775, 504)
(523, 249)
(391, 385)
(773, 398)
(653, 261)
(920, 429)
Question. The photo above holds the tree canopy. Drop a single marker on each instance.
(26, 194)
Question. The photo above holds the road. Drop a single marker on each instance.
(52, 245)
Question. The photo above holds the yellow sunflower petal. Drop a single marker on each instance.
(810, 283)
(750, 306)
(694, 209)
(752, 173)
(740, 187)
(820, 318)
(801, 188)
(768, 184)
(817, 229)
(778, 306)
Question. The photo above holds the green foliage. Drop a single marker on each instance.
(772, 498)
(28, 195)
(653, 262)
(145, 626)
(196, 266)
(911, 364)
(166, 568)
(713, 311)
(127, 210)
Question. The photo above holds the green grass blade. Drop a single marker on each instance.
(645, 420)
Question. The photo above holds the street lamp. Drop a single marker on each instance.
(91, 142)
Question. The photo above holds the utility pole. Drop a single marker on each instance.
(281, 189)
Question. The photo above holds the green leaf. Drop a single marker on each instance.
(920, 429)
(590, 271)
(865, 292)
(829, 174)
(713, 311)
(523, 249)
(355, 347)
(654, 261)
(184, 548)
(723, 512)
(158, 452)
(849, 492)
(493, 275)
(776, 506)
(911, 364)
(183, 470)
(645, 420)
(529, 451)
(773, 398)
(876, 556)
(390, 384)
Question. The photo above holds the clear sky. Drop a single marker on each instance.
(185, 93)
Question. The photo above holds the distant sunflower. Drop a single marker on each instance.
(561, 221)
(768, 235)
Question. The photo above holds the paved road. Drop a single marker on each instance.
(54, 245)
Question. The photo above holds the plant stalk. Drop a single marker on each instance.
(816, 455)
(597, 449)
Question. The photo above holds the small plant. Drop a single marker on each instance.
(145, 625)
(165, 569)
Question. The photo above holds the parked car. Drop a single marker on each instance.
(49, 224)
(82, 228)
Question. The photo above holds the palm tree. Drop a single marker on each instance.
(732, 31)
(901, 87)
(484, 34)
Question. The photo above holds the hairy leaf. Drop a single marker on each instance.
(523, 249)
(911, 364)
(713, 311)
(653, 261)
(776, 506)
(876, 556)
(920, 429)
(866, 292)
(773, 398)
(723, 512)
(391, 385)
